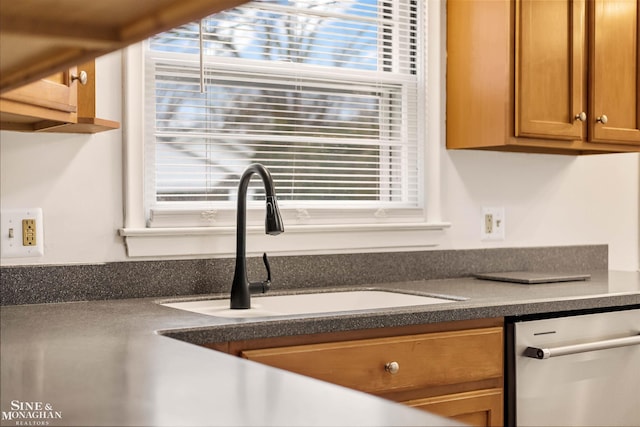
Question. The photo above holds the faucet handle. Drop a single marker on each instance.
(262, 287)
(265, 259)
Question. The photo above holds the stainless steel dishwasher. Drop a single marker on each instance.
(577, 370)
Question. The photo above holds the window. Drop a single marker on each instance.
(329, 95)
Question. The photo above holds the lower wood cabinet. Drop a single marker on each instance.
(453, 369)
(475, 408)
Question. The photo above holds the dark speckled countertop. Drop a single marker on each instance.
(108, 363)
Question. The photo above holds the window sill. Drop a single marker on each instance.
(297, 240)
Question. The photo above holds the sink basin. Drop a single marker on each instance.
(310, 303)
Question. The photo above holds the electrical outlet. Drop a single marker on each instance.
(21, 233)
(488, 223)
(493, 224)
(29, 232)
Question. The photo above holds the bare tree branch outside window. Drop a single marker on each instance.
(314, 90)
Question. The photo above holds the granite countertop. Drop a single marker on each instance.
(114, 362)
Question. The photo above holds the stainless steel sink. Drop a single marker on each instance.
(311, 303)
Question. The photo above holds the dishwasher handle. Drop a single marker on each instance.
(545, 353)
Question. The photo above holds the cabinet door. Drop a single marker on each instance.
(550, 69)
(614, 60)
(36, 106)
(481, 408)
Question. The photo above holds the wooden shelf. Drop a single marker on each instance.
(85, 125)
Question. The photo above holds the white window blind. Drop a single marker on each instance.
(323, 93)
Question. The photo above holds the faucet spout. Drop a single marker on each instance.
(241, 289)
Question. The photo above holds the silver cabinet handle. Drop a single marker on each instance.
(392, 367)
(82, 78)
(602, 119)
(545, 353)
(582, 116)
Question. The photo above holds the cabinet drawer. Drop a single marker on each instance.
(423, 360)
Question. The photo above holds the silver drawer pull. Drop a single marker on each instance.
(545, 353)
(82, 78)
(392, 367)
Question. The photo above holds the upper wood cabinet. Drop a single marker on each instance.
(87, 118)
(64, 102)
(41, 37)
(555, 76)
(42, 104)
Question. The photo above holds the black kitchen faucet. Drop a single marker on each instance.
(241, 289)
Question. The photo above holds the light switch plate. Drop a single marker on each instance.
(17, 241)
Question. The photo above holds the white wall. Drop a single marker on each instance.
(549, 200)
(75, 179)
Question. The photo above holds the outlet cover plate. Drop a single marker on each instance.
(11, 233)
(492, 223)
